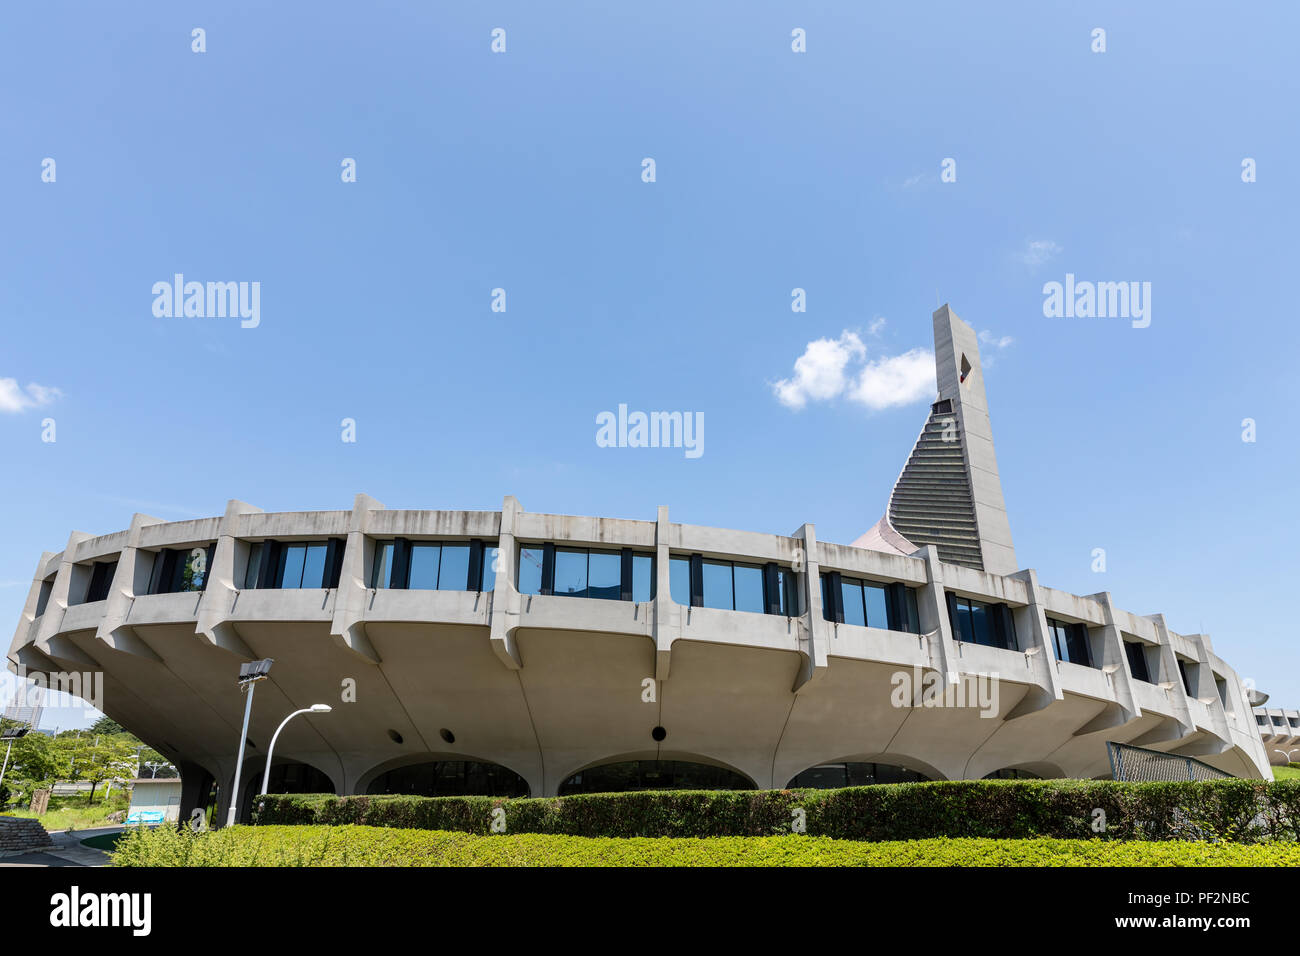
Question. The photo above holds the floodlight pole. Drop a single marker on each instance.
(239, 763)
(8, 751)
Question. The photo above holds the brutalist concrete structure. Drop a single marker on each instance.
(513, 652)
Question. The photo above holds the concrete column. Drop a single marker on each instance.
(57, 606)
(131, 578)
(195, 784)
(225, 579)
(22, 634)
(932, 611)
(667, 615)
(349, 627)
(1113, 663)
(814, 630)
(1169, 674)
(1042, 661)
(507, 603)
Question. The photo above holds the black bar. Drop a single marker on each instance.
(475, 582)
(399, 574)
(697, 580)
(548, 568)
(625, 575)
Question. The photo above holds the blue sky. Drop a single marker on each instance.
(774, 170)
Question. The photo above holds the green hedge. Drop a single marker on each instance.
(1236, 810)
(374, 846)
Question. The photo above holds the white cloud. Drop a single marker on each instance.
(819, 372)
(829, 369)
(876, 325)
(14, 398)
(896, 380)
(911, 181)
(1037, 251)
(988, 338)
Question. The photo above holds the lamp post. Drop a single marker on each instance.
(313, 709)
(249, 675)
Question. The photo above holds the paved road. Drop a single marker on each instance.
(66, 851)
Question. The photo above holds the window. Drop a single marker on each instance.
(1187, 671)
(1221, 686)
(422, 573)
(1070, 641)
(295, 564)
(182, 569)
(643, 577)
(747, 582)
(434, 565)
(604, 575)
(622, 575)
(383, 570)
(1137, 661)
(851, 600)
(734, 586)
(679, 580)
(43, 599)
(975, 622)
(866, 603)
(1261, 720)
(101, 579)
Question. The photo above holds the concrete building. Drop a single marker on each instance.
(510, 652)
(1279, 729)
(154, 800)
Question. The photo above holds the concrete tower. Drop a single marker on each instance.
(949, 493)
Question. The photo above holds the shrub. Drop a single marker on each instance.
(372, 846)
(1233, 810)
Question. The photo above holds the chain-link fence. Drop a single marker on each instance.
(1146, 766)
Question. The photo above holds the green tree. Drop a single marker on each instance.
(107, 726)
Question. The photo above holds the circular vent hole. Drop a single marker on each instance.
(447, 735)
(658, 733)
(395, 736)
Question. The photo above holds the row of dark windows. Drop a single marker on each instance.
(176, 570)
(434, 565)
(623, 575)
(1264, 720)
(697, 581)
(1070, 641)
(1137, 661)
(977, 622)
(294, 564)
(869, 604)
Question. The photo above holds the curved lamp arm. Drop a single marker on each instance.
(313, 709)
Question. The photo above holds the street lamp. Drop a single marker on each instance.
(313, 709)
(249, 675)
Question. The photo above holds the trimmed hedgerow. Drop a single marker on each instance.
(377, 846)
(1234, 810)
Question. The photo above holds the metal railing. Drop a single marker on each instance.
(1137, 764)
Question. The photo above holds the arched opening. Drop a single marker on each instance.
(291, 776)
(1012, 773)
(450, 778)
(627, 775)
(830, 776)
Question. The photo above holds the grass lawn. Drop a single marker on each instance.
(381, 846)
(73, 812)
(105, 841)
(1286, 773)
